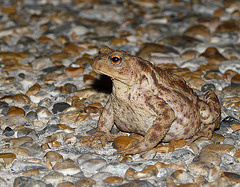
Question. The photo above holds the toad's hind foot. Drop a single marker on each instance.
(206, 132)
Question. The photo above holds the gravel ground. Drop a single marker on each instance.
(50, 98)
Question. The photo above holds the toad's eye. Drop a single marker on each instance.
(116, 60)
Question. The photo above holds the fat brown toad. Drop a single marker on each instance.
(151, 102)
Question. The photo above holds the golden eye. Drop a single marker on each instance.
(116, 60)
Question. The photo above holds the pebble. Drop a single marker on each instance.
(237, 156)
(17, 142)
(220, 149)
(84, 181)
(113, 180)
(31, 172)
(122, 142)
(15, 111)
(7, 158)
(180, 176)
(93, 164)
(8, 132)
(59, 107)
(67, 167)
(65, 184)
(182, 154)
(148, 171)
(27, 181)
(53, 177)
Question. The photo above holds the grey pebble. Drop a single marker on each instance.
(228, 121)
(8, 132)
(182, 154)
(29, 182)
(32, 115)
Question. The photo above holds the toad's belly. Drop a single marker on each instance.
(130, 119)
(139, 119)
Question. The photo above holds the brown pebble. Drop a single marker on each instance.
(129, 173)
(148, 171)
(220, 149)
(219, 12)
(73, 49)
(118, 41)
(65, 184)
(21, 151)
(18, 98)
(196, 30)
(8, 10)
(74, 71)
(228, 26)
(33, 89)
(123, 142)
(45, 147)
(31, 172)
(212, 75)
(218, 138)
(233, 177)
(190, 54)
(53, 156)
(82, 60)
(15, 111)
(81, 117)
(7, 157)
(16, 142)
(113, 180)
(235, 126)
(84, 181)
(213, 56)
(236, 78)
(13, 56)
(66, 128)
(237, 156)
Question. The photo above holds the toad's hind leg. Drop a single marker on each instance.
(210, 112)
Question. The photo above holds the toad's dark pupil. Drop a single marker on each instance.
(115, 59)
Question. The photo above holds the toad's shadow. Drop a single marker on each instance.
(104, 84)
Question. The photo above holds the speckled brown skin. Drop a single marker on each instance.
(152, 102)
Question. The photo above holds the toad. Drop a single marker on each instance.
(151, 102)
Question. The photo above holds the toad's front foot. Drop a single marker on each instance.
(104, 137)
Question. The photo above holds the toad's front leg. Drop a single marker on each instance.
(155, 134)
(105, 125)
